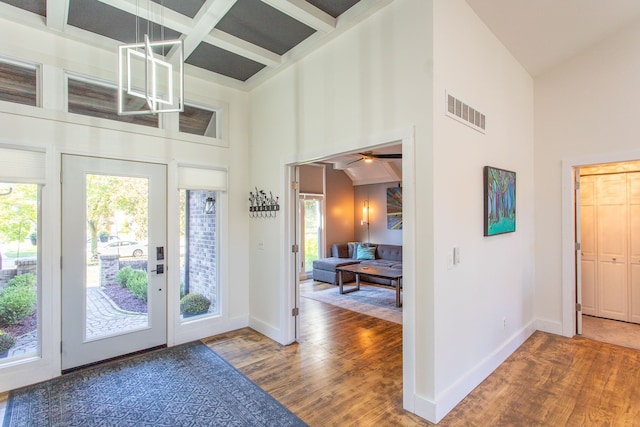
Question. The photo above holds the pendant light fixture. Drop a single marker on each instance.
(151, 72)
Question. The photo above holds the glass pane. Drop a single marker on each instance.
(198, 254)
(198, 121)
(18, 271)
(312, 232)
(116, 281)
(18, 84)
(96, 100)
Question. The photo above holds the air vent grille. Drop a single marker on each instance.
(466, 114)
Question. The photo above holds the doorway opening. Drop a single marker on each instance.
(330, 216)
(608, 256)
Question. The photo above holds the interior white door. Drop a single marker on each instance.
(587, 259)
(125, 203)
(612, 246)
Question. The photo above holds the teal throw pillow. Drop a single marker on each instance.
(366, 252)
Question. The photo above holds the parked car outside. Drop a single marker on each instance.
(124, 248)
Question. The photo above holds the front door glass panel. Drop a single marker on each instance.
(116, 282)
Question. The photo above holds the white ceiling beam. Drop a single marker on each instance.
(156, 13)
(243, 48)
(57, 12)
(306, 13)
(207, 18)
(352, 17)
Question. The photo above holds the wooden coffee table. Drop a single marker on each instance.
(393, 274)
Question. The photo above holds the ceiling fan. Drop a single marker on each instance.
(370, 156)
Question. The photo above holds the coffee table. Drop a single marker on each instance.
(393, 274)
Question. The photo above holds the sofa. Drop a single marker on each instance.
(324, 269)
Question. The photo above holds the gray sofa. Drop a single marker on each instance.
(324, 269)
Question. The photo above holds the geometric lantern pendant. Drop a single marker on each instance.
(148, 82)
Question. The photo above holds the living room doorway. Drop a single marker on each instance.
(403, 142)
(330, 194)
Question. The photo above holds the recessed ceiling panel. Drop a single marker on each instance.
(334, 8)
(100, 18)
(35, 6)
(260, 24)
(223, 62)
(186, 7)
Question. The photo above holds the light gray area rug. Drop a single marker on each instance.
(371, 300)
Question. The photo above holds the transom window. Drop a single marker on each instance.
(199, 121)
(97, 99)
(19, 82)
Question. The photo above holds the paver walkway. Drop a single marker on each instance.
(103, 318)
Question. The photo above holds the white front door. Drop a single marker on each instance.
(113, 238)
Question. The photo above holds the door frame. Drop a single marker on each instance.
(568, 324)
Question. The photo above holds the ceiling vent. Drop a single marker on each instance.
(463, 113)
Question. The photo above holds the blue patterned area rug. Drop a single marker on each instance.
(187, 385)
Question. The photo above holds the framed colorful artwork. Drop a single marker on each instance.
(499, 201)
(394, 208)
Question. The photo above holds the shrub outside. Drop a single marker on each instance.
(18, 299)
(193, 304)
(6, 341)
(135, 281)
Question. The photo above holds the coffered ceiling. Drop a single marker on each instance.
(239, 43)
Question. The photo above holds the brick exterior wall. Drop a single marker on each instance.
(202, 248)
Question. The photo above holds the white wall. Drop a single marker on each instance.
(585, 112)
(494, 280)
(57, 132)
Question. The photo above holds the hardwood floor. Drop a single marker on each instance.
(347, 371)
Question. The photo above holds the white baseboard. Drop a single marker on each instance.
(550, 326)
(434, 411)
(238, 322)
(266, 329)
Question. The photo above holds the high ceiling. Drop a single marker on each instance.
(239, 43)
(541, 34)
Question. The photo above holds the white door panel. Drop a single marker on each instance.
(126, 199)
(613, 290)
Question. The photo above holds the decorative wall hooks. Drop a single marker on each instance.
(263, 206)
